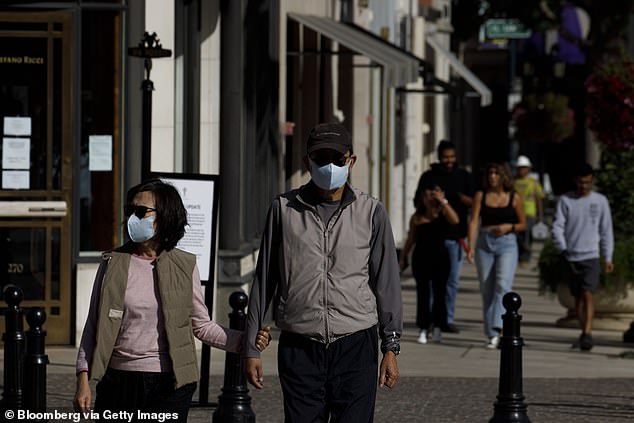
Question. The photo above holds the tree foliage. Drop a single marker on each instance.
(609, 19)
(615, 180)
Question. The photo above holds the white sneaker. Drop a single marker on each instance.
(436, 335)
(493, 343)
(422, 338)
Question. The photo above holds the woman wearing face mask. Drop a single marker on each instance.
(145, 310)
(500, 212)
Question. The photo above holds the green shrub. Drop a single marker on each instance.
(552, 268)
(615, 180)
(623, 262)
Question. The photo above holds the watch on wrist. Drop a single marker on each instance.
(394, 347)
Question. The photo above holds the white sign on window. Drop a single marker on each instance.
(100, 153)
(16, 153)
(15, 179)
(18, 126)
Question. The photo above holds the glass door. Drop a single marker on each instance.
(36, 90)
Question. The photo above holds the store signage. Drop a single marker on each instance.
(16, 268)
(506, 29)
(22, 60)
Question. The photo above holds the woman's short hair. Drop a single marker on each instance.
(504, 170)
(171, 215)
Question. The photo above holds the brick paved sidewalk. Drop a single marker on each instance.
(440, 400)
(456, 381)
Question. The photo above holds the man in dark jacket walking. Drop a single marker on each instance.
(328, 264)
(457, 183)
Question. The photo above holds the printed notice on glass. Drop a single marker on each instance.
(100, 153)
(197, 197)
(17, 126)
(15, 179)
(16, 153)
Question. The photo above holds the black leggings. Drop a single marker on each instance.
(438, 315)
(142, 392)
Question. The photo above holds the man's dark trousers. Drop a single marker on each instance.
(338, 379)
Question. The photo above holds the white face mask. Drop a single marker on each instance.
(330, 176)
(140, 230)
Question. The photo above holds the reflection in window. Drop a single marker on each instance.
(98, 190)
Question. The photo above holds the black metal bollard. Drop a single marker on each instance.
(510, 406)
(35, 362)
(234, 404)
(13, 339)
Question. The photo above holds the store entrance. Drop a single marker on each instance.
(36, 91)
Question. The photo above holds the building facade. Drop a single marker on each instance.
(243, 85)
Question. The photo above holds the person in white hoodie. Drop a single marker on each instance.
(583, 222)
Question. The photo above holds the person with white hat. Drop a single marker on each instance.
(533, 195)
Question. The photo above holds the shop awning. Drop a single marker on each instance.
(399, 67)
(459, 67)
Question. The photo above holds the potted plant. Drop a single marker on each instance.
(610, 113)
(614, 300)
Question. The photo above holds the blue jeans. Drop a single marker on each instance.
(456, 258)
(496, 261)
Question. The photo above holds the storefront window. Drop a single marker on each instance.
(100, 215)
(23, 91)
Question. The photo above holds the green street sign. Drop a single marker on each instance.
(506, 28)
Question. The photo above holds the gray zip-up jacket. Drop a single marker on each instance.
(327, 279)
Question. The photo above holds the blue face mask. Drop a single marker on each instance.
(330, 176)
(140, 230)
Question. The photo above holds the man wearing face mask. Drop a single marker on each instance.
(328, 263)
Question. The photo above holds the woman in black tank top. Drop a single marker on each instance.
(430, 259)
(499, 211)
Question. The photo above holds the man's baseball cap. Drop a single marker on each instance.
(329, 135)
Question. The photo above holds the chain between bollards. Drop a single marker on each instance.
(234, 404)
(510, 406)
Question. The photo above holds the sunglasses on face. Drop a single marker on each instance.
(139, 211)
(325, 159)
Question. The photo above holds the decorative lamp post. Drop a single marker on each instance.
(148, 48)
